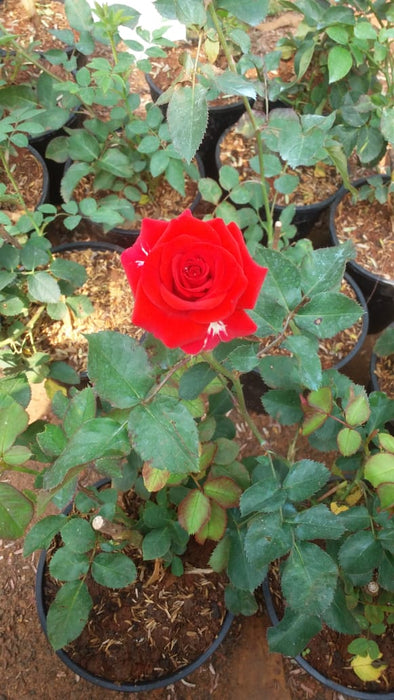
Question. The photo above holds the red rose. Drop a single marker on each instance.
(191, 282)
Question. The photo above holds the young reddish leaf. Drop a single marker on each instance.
(223, 490)
(321, 399)
(215, 528)
(386, 441)
(207, 455)
(314, 422)
(194, 511)
(154, 479)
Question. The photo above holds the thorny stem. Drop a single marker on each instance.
(31, 323)
(256, 129)
(239, 395)
(18, 194)
(155, 390)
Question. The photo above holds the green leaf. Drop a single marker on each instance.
(309, 579)
(339, 617)
(292, 634)
(79, 14)
(223, 490)
(67, 565)
(349, 441)
(71, 178)
(52, 440)
(252, 12)
(283, 405)
(83, 146)
(227, 451)
(340, 62)
(98, 437)
(263, 496)
(230, 83)
(323, 269)
(13, 421)
(194, 380)
(210, 190)
(190, 12)
(69, 613)
(78, 535)
(16, 511)
(113, 569)
(385, 342)
(174, 430)
(63, 372)
(327, 314)
(119, 368)
(280, 372)
(156, 543)
(215, 527)
(267, 539)
(283, 278)
(194, 511)
(69, 270)
(387, 128)
(360, 553)
(240, 602)
(305, 350)
(42, 287)
(357, 410)
(42, 533)
(241, 572)
(318, 522)
(228, 177)
(380, 468)
(305, 477)
(187, 118)
(16, 455)
(81, 408)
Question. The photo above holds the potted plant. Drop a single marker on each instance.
(271, 134)
(195, 474)
(34, 284)
(342, 63)
(121, 158)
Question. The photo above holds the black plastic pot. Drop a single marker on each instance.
(220, 117)
(350, 692)
(378, 292)
(44, 197)
(127, 237)
(305, 216)
(375, 386)
(102, 682)
(254, 386)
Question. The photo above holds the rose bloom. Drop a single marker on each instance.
(191, 282)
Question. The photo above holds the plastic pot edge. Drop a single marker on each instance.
(350, 692)
(102, 682)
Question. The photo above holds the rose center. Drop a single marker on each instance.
(192, 276)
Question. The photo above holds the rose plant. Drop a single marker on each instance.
(159, 420)
(156, 420)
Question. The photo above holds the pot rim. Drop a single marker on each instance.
(345, 690)
(278, 208)
(365, 322)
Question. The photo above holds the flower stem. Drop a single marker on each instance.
(238, 391)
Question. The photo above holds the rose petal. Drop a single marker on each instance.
(236, 326)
